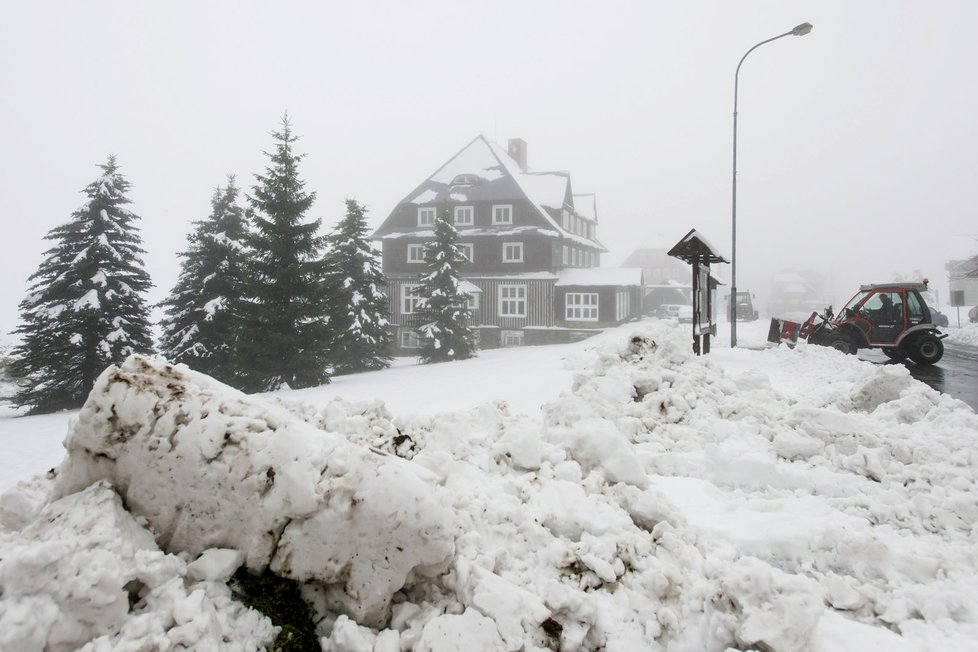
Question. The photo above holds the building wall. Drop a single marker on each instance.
(539, 303)
(970, 287)
(405, 215)
(608, 304)
(658, 267)
(540, 254)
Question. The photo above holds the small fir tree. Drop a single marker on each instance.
(444, 307)
(85, 309)
(284, 336)
(360, 314)
(199, 325)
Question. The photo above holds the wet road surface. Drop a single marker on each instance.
(956, 374)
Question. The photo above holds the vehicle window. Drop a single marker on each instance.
(853, 301)
(915, 308)
(874, 302)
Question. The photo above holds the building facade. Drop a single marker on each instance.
(522, 232)
(963, 276)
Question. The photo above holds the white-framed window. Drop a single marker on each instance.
(511, 338)
(581, 306)
(410, 297)
(473, 303)
(623, 305)
(565, 256)
(502, 214)
(512, 252)
(464, 216)
(426, 216)
(468, 250)
(410, 339)
(512, 301)
(415, 253)
(565, 219)
(576, 257)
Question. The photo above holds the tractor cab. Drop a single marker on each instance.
(886, 313)
(743, 305)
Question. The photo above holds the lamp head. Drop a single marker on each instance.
(802, 29)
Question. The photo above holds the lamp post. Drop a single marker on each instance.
(800, 30)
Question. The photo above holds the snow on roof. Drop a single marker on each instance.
(603, 276)
(489, 163)
(425, 196)
(473, 159)
(586, 205)
(539, 187)
(469, 288)
(545, 188)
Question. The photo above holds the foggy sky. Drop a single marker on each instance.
(856, 147)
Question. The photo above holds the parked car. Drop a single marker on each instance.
(681, 311)
(937, 317)
(659, 295)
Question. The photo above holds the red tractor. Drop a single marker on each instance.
(892, 317)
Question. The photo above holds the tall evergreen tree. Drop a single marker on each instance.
(85, 309)
(199, 325)
(284, 336)
(360, 314)
(444, 307)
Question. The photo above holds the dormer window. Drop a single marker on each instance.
(465, 180)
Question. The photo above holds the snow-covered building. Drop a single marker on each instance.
(963, 275)
(659, 267)
(532, 246)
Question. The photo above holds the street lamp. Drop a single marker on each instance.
(800, 30)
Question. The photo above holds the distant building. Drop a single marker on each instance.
(963, 275)
(532, 247)
(658, 267)
(796, 292)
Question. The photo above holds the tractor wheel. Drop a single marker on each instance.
(894, 353)
(843, 343)
(926, 349)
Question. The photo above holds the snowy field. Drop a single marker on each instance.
(615, 494)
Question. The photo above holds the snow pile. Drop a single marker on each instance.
(808, 502)
(967, 334)
(85, 572)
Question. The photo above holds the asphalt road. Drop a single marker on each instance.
(956, 374)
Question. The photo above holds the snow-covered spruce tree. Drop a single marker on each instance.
(284, 337)
(85, 309)
(360, 314)
(199, 325)
(444, 307)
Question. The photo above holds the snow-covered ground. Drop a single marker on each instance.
(616, 493)
(966, 334)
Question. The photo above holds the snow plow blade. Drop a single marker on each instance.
(782, 330)
(785, 330)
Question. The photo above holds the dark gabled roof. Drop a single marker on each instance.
(482, 171)
(693, 245)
